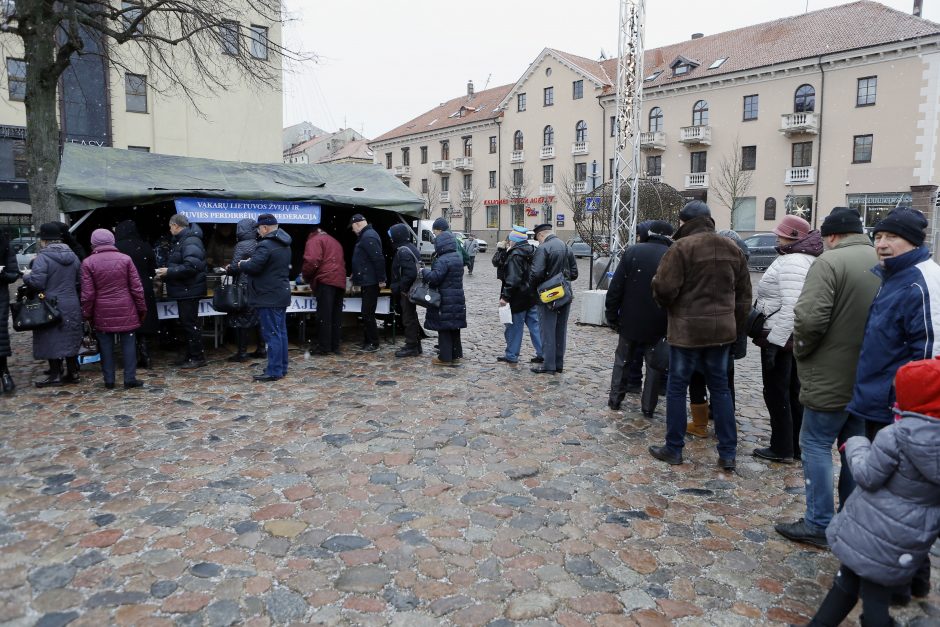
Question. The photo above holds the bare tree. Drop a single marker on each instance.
(430, 196)
(180, 42)
(516, 194)
(470, 207)
(733, 180)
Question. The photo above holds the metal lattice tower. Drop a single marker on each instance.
(629, 107)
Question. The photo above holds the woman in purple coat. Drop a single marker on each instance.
(55, 272)
(113, 301)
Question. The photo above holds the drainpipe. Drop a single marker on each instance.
(822, 93)
(603, 141)
(499, 178)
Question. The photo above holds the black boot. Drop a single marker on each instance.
(649, 397)
(55, 375)
(143, 353)
(6, 381)
(71, 370)
(241, 339)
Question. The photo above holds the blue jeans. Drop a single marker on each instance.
(128, 352)
(514, 332)
(713, 362)
(820, 429)
(274, 332)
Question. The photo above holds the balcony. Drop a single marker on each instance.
(547, 152)
(444, 197)
(696, 135)
(800, 176)
(466, 195)
(463, 163)
(403, 171)
(696, 180)
(515, 193)
(799, 123)
(442, 166)
(547, 189)
(655, 178)
(580, 148)
(578, 187)
(653, 141)
(517, 156)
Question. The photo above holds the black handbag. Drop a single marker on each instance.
(230, 296)
(754, 324)
(424, 295)
(34, 312)
(555, 292)
(657, 356)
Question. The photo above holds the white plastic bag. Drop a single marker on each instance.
(505, 314)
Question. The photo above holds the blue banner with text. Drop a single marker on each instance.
(222, 210)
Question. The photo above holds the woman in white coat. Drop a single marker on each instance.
(777, 294)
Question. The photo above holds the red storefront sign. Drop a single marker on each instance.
(537, 200)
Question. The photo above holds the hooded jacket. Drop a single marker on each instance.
(112, 295)
(892, 518)
(629, 303)
(268, 270)
(704, 285)
(368, 260)
(186, 266)
(903, 325)
(447, 276)
(129, 242)
(55, 271)
(517, 288)
(406, 260)
(780, 287)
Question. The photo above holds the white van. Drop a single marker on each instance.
(425, 238)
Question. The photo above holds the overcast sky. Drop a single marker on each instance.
(383, 63)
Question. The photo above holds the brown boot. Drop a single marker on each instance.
(699, 425)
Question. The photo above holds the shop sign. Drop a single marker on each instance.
(532, 213)
(536, 200)
(227, 211)
(560, 219)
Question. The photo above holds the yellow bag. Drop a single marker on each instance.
(552, 294)
(555, 292)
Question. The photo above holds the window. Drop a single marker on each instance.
(613, 126)
(654, 166)
(424, 154)
(748, 157)
(139, 148)
(517, 177)
(653, 76)
(405, 156)
(656, 120)
(468, 181)
(228, 36)
(520, 102)
(468, 146)
(861, 153)
(16, 79)
(580, 172)
(492, 217)
(258, 41)
(805, 99)
(518, 214)
(135, 90)
(492, 179)
(580, 131)
(445, 183)
(865, 94)
(679, 70)
(700, 113)
(131, 12)
(802, 155)
(717, 63)
(549, 96)
(388, 161)
(424, 186)
(493, 145)
(577, 90)
(517, 140)
(548, 174)
(750, 107)
(445, 150)
(548, 136)
(699, 162)
(610, 167)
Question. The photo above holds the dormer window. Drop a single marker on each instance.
(681, 69)
(682, 66)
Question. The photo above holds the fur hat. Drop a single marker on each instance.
(917, 385)
(841, 220)
(50, 232)
(266, 219)
(102, 237)
(906, 222)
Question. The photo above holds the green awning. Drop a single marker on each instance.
(92, 177)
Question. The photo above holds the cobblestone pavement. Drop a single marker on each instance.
(369, 490)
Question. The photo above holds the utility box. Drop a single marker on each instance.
(592, 307)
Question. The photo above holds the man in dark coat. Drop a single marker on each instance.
(129, 242)
(324, 269)
(704, 285)
(631, 310)
(404, 273)
(515, 272)
(552, 257)
(268, 271)
(185, 276)
(368, 272)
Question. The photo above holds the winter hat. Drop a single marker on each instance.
(842, 220)
(50, 232)
(440, 225)
(660, 227)
(917, 385)
(266, 219)
(906, 222)
(643, 231)
(694, 209)
(102, 237)
(792, 227)
(357, 217)
(518, 234)
(542, 227)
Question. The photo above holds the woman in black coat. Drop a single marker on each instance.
(447, 276)
(9, 273)
(128, 241)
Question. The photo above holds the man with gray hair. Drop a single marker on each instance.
(185, 278)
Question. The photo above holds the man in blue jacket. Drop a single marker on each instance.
(904, 320)
(368, 272)
(268, 271)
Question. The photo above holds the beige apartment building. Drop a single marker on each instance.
(829, 108)
(122, 108)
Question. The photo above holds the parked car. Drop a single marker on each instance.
(461, 236)
(763, 251)
(25, 256)
(19, 243)
(579, 247)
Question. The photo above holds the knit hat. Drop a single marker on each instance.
(518, 234)
(266, 219)
(842, 220)
(543, 227)
(50, 232)
(440, 225)
(643, 231)
(917, 385)
(694, 209)
(102, 237)
(792, 227)
(906, 222)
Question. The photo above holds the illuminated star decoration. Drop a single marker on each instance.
(800, 211)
